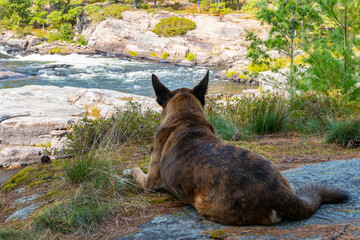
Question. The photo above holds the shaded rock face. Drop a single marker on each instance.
(215, 40)
(33, 118)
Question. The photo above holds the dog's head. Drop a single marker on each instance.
(164, 95)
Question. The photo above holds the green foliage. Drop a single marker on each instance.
(165, 55)
(133, 54)
(21, 177)
(133, 124)
(268, 115)
(342, 131)
(249, 115)
(81, 40)
(82, 212)
(66, 33)
(309, 112)
(255, 51)
(108, 11)
(87, 168)
(58, 18)
(15, 13)
(173, 26)
(190, 57)
(335, 64)
(12, 234)
(91, 9)
(220, 8)
(225, 127)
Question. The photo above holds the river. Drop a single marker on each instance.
(97, 71)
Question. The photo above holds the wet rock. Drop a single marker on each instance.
(55, 66)
(10, 74)
(13, 51)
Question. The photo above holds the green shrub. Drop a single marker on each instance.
(252, 115)
(66, 33)
(309, 112)
(81, 40)
(220, 8)
(268, 115)
(133, 54)
(173, 26)
(225, 127)
(165, 55)
(342, 131)
(190, 57)
(132, 124)
(91, 9)
(108, 11)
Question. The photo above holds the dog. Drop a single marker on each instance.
(224, 183)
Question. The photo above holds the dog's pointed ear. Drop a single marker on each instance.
(200, 90)
(163, 94)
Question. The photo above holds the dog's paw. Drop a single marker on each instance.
(127, 173)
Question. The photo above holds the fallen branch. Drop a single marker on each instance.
(341, 233)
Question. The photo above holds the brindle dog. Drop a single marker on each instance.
(226, 184)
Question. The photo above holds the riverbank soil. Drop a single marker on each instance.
(47, 185)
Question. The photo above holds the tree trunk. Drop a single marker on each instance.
(135, 4)
(198, 2)
(154, 4)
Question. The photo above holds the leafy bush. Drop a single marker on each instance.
(81, 40)
(220, 8)
(173, 26)
(133, 54)
(132, 124)
(190, 57)
(66, 33)
(342, 131)
(165, 55)
(310, 111)
(108, 11)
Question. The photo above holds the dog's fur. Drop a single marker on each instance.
(226, 184)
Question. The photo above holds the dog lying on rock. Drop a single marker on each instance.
(224, 183)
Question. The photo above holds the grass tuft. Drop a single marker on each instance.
(342, 131)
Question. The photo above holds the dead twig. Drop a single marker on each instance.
(341, 233)
(325, 218)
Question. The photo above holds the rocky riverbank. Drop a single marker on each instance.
(216, 40)
(35, 118)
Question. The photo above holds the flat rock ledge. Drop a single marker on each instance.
(34, 118)
(329, 222)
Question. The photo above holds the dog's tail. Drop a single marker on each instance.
(308, 199)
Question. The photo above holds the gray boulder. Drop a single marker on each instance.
(18, 43)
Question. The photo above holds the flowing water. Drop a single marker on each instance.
(96, 71)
